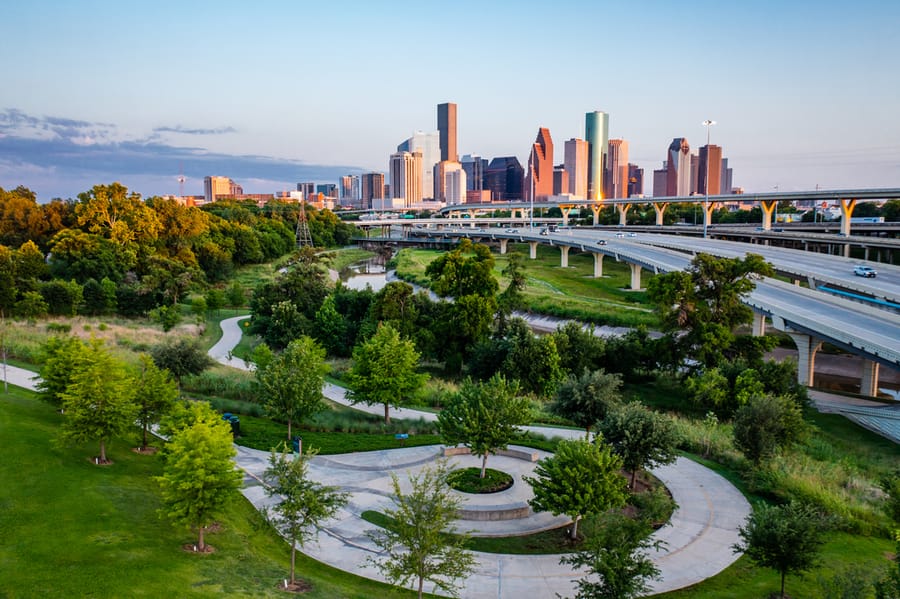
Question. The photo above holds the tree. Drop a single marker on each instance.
(215, 300)
(578, 348)
(31, 305)
(58, 357)
(303, 504)
(642, 437)
(181, 357)
(617, 558)
(512, 297)
(416, 547)
(155, 395)
(167, 316)
(586, 399)
(483, 416)
(766, 424)
(532, 360)
(581, 478)
(234, 296)
(384, 370)
(98, 401)
(786, 538)
(199, 476)
(702, 305)
(291, 383)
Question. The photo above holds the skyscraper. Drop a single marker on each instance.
(539, 178)
(406, 177)
(678, 168)
(308, 189)
(349, 190)
(635, 180)
(474, 166)
(454, 183)
(576, 161)
(617, 169)
(503, 177)
(218, 187)
(446, 123)
(710, 170)
(596, 133)
(560, 180)
(372, 188)
(659, 181)
(428, 144)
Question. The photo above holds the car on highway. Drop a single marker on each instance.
(512, 230)
(865, 271)
(620, 235)
(632, 234)
(601, 242)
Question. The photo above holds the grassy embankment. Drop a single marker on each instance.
(565, 292)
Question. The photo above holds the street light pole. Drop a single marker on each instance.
(533, 170)
(707, 123)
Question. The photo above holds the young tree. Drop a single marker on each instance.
(642, 437)
(99, 400)
(766, 424)
(199, 476)
(291, 383)
(215, 300)
(617, 558)
(786, 538)
(578, 349)
(303, 504)
(416, 547)
(483, 416)
(181, 357)
(58, 357)
(384, 370)
(235, 296)
(581, 478)
(586, 399)
(155, 395)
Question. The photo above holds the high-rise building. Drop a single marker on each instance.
(503, 178)
(349, 190)
(440, 181)
(308, 189)
(726, 177)
(474, 166)
(695, 171)
(539, 178)
(560, 180)
(220, 187)
(635, 180)
(372, 189)
(659, 181)
(329, 190)
(617, 169)
(678, 168)
(596, 134)
(406, 177)
(427, 144)
(710, 170)
(576, 161)
(446, 122)
(454, 183)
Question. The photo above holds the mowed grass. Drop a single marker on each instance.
(72, 529)
(564, 292)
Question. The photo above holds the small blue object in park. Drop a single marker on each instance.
(402, 437)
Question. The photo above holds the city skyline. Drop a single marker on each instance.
(804, 96)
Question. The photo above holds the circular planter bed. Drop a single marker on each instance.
(466, 480)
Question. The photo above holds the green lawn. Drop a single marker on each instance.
(566, 292)
(70, 528)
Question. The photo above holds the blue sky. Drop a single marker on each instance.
(274, 92)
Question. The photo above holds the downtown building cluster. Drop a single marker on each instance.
(426, 171)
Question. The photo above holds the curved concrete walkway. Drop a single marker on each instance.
(698, 539)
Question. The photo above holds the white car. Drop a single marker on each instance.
(865, 271)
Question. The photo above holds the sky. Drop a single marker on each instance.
(271, 92)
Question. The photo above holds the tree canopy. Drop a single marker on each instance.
(586, 399)
(642, 437)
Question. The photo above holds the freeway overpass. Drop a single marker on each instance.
(809, 316)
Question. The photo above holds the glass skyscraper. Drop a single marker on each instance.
(596, 133)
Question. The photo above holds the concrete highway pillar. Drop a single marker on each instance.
(532, 249)
(866, 253)
(595, 210)
(847, 207)
(707, 214)
(807, 346)
(565, 212)
(503, 244)
(868, 384)
(635, 276)
(846, 250)
(759, 324)
(768, 207)
(660, 208)
(598, 265)
(564, 256)
(623, 213)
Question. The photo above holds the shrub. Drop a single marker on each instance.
(58, 327)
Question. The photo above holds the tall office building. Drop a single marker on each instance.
(329, 190)
(659, 181)
(308, 189)
(446, 122)
(710, 170)
(406, 177)
(349, 190)
(428, 144)
(695, 171)
(726, 177)
(576, 161)
(560, 180)
(539, 178)
(440, 181)
(678, 168)
(617, 169)
(596, 134)
(474, 166)
(372, 188)
(454, 183)
(635, 180)
(220, 187)
(503, 178)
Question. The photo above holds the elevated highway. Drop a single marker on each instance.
(809, 316)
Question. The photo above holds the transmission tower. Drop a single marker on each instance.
(303, 236)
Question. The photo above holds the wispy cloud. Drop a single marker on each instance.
(59, 157)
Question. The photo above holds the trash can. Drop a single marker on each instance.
(235, 423)
(296, 444)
